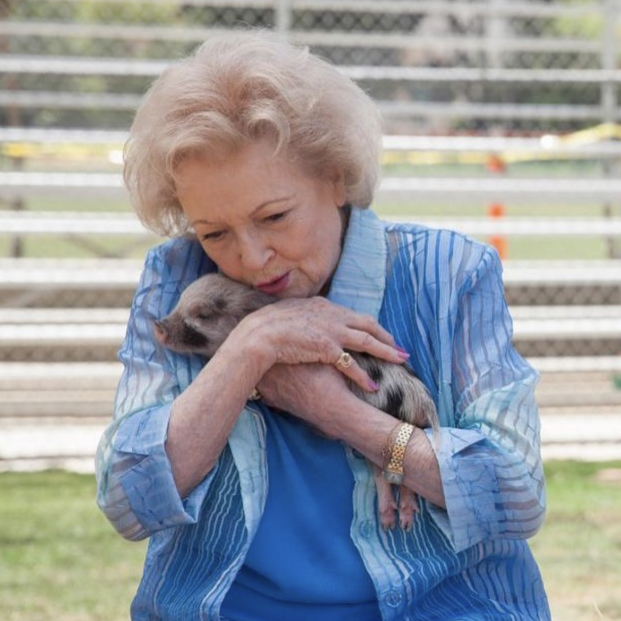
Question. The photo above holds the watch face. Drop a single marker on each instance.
(395, 478)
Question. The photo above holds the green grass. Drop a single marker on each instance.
(579, 546)
(60, 560)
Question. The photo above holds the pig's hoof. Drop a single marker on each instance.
(388, 516)
(408, 508)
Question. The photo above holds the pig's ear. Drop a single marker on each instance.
(208, 309)
(220, 305)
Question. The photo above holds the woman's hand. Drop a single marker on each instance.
(315, 330)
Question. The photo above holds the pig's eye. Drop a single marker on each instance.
(220, 304)
(204, 316)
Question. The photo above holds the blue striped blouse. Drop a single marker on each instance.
(441, 296)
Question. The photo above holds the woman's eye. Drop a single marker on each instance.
(215, 235)
(275, 217)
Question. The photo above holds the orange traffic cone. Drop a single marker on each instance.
(497, 210)
(497, 166)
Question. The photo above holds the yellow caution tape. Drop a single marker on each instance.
(605, 131)
(25, 150)
(592, 135)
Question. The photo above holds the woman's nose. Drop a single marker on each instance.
(254, 253)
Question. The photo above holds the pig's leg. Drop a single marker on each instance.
(387, 506)
(408, 508)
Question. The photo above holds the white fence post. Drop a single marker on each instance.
(283, 18)
(610, 52)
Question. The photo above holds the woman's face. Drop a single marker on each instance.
(263, 221)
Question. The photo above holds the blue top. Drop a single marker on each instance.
(441, 296)
(302, 564)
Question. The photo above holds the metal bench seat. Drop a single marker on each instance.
(58, 273)
(460, 189)
(105, 333)
(123, 224)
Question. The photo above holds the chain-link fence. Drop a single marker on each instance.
(433, 66)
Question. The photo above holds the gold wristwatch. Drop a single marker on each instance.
(393, 472)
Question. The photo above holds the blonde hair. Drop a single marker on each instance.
(240, 88)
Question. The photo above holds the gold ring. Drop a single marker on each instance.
(345, 360)
(255, 395)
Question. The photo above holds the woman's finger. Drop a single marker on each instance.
(368, 324)
(364, 342)
(348, 366)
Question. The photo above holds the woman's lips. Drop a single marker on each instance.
(275, 286)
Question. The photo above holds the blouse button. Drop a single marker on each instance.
(393, 599)
(366, 529)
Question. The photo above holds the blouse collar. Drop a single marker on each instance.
(360, 277)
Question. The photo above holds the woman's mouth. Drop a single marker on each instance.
(276, 285)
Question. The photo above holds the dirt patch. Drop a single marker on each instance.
(611, 476)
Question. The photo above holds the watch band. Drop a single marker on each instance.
(387, 449)
(393, 472)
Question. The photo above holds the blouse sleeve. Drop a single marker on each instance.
(135, 486)
(490, 461)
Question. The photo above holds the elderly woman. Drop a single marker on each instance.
(260, 160)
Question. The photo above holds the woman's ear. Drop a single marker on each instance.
(339, 189)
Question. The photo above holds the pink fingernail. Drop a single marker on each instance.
(399, 348)
(372, 385)
(403, 354)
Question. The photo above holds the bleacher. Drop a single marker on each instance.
(65, 118)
